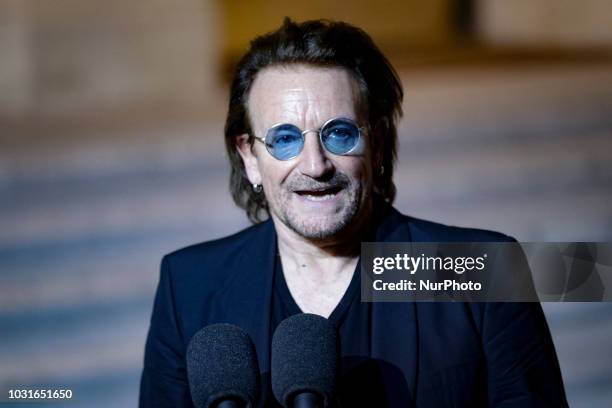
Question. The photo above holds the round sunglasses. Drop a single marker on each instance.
(340, 136)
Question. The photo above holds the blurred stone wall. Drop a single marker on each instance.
(554, 23)
(63, 59)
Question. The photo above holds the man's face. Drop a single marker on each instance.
(316, 194)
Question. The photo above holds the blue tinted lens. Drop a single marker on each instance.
(340, 136)
(284, 141)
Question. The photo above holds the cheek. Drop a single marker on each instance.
(274, 172)
(355, 167)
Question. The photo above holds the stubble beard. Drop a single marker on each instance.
(320, 227)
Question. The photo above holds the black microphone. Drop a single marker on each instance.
(304, 361)
(222, 368)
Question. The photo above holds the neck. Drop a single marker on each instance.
(319, 272)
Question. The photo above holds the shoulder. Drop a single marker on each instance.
(444, 232)
(215, 259)
(421, 230)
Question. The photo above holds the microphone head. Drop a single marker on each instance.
(222, 364)
(304, 357)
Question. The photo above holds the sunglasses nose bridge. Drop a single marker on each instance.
(305, 132)
(318, 141)
(317, 131)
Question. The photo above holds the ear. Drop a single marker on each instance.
(245, 149)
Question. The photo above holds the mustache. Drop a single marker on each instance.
(337, 180)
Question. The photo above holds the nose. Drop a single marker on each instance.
(313, 161)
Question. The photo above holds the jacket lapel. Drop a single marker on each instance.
(246, 297)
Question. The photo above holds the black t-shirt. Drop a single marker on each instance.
(345, 315)
(360, 382)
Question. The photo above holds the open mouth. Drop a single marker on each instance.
(319, 194)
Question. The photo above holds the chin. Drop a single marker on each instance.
(317, 231)
(319, 226)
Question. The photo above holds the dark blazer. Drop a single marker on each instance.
(444, 354)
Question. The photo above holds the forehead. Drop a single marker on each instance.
(301, 94)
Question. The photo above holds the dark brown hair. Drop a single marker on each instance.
(326, 44)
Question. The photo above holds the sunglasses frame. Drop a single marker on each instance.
(360, 130)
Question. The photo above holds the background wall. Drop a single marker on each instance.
(111, 154)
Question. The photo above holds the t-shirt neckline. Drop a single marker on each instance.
(292, 307)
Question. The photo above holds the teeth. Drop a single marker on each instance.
(319, 197)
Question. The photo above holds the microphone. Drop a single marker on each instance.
(222, 368)
(304, 361)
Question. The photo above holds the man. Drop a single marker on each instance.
(311, 136)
